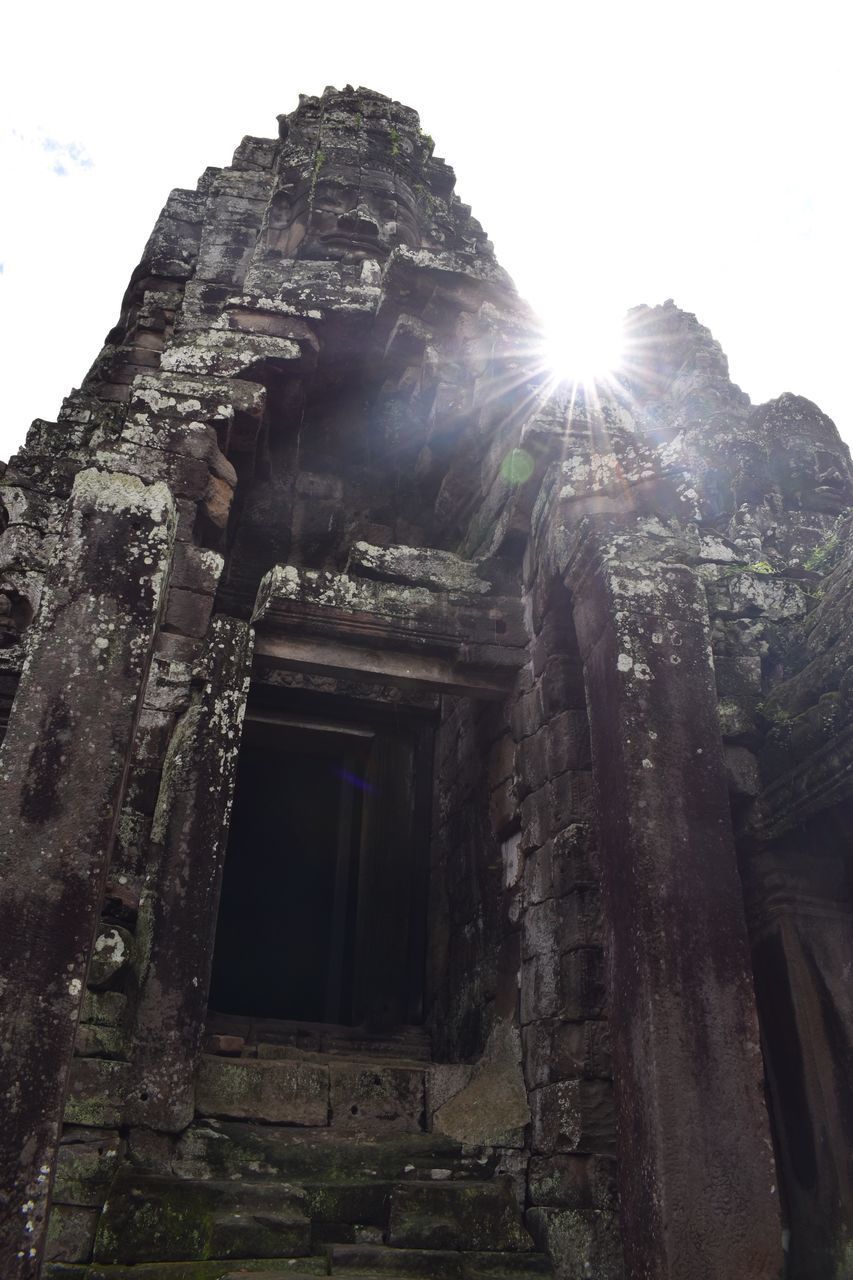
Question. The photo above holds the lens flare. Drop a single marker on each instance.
(583, 349)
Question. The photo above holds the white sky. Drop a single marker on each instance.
(616, 152)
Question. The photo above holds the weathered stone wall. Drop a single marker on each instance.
(334, 389)
(516, 940)
(564, 997)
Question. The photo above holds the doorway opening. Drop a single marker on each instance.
(322, 912)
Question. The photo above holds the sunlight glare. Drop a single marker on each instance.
(583, 348)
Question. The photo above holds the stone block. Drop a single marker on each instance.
(97, 1091)
(584, 1242)
(490, 1110)
(581, 1049)
(101, 1042)
(390, 1098)
(104, 1008)
(503, 807)
(536, 819)
(456, 1215)
(501, 760)
(87, 1161)
(167, 689)
(175, 648)
(536, 1040)
(541, 929)
(758, 593)
(737, 717)
(527, 714)
(555, 639)
(506, 1266)
(163, 1219)
(443, 1081)
(531, 764)
(573, 1181)
(539, 874)
(562, 686)
(571, 799)
(742, 772)
(217, 501)
(188, 612)
(738, 677)
(375, 1260)
(508, 976)
(278, 1092)
(580, 921)
(350, 1203)
(575, 858)
(574, 1115)
(540, 988)
(70, 1233)
(583, 984)
(568, 744)
(230, 1046)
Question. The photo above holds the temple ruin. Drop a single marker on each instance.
(427, 788)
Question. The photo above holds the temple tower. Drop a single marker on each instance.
(427, 787)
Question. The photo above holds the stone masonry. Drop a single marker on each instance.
(555, 683)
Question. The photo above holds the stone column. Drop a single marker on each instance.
(191, 830)
(802, 946)
(696, 1175)
(62, 773)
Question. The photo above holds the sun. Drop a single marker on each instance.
(584, 349)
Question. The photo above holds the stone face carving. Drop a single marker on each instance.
(351, 216)
(578, 660)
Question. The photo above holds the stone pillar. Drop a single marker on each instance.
(191, 830)
(62, 773)
(696, 1173)
(802, 942)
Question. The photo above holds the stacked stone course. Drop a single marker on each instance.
(598, 640)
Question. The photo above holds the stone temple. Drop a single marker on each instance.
(427, 790)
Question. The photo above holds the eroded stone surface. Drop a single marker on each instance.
(609, 630)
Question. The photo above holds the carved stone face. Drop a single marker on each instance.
(807, 462)
(351, 215)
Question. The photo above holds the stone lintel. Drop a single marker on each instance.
(455, 641)
(422, 672)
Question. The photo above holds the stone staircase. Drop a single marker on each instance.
(309, 1156)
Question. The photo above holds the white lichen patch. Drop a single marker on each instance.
(120, 492)
(112, 943)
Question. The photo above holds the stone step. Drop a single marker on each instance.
(156, 1219)
(345, 1055)
(352, 1097)
(475, 1216)
(214, 1269)
(227, 1150)
(369, 1261)
(456, 1215)
(353, 1262)
(348, 1204)
(411, 1042)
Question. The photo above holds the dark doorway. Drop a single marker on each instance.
(321, 916)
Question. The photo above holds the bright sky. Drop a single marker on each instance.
(616, 152)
